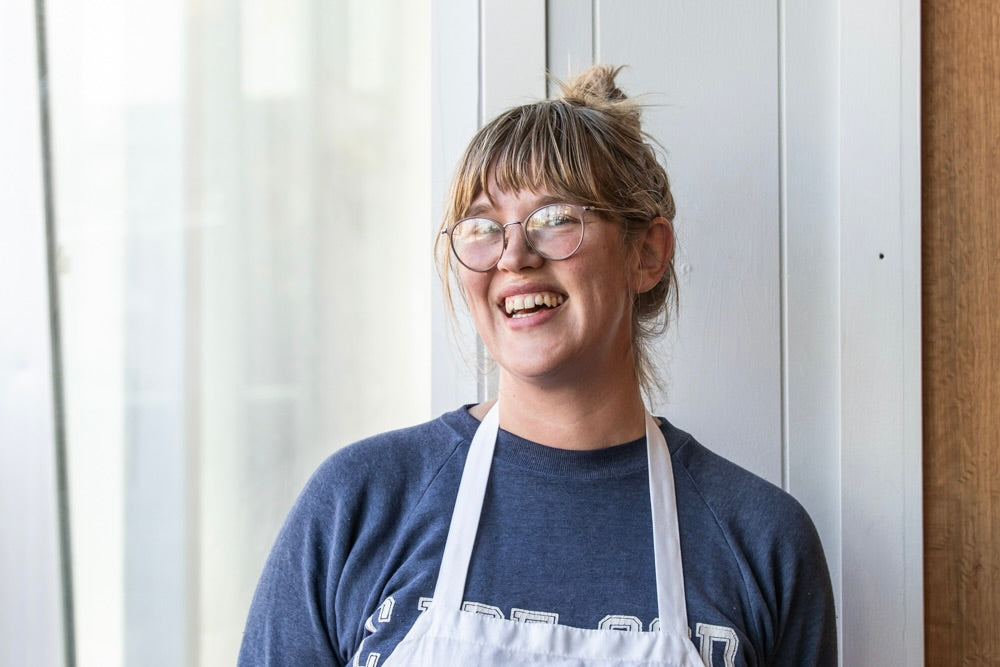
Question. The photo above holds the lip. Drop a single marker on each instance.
(525, 288)
(536, 318)
(533, 320)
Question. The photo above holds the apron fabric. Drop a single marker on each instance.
(444, 635)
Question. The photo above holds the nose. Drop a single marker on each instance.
(517, 254)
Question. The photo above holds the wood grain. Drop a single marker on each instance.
(961, 337)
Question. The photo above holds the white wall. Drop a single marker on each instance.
(791, 133)
(882, 556)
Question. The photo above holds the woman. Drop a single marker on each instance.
(560, 524)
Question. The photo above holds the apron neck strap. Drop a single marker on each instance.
(465, 516)
(670, 599)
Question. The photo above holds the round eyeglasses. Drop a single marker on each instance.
(554, 231)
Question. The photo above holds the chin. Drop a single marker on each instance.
(536, 371)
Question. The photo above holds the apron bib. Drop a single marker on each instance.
(444, 635)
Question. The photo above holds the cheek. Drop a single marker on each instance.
(611, 272)
(475, 288)
(614, 285)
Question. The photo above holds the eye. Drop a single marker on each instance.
(473, 229)
(554, 216)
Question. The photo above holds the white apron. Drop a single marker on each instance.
(446, 636)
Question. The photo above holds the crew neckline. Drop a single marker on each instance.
(606, 462)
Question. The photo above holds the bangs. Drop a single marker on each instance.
(544, 147)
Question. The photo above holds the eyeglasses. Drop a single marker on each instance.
(554, 231)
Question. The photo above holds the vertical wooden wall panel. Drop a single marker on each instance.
(708, 73)
(961, 306)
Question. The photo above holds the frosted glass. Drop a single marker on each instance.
(244, 238)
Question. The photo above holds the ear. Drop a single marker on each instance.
(654, 250)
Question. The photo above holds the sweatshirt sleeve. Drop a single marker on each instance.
(804, 614)
(787, 605)
(327, 570)
(291, 619)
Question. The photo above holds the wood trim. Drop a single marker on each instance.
(961, 337)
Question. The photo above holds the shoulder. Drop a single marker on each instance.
(765, 529)
(738, 499)
(734, 521)
(405, 459)
(359, 498)
(326, 566)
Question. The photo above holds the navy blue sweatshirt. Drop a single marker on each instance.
(564, 537)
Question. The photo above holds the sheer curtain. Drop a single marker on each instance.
(244, 239)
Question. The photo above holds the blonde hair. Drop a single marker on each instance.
(589, 147)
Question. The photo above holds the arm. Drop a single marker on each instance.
(805, 616)
(291, 617)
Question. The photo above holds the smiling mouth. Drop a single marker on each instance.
(522, 305)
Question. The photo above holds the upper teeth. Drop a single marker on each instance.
(524, 301)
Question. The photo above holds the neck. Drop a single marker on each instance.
(579, 416)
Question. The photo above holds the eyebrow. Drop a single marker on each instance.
(477, 210)
(482, 208)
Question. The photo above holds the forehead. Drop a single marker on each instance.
(548, 147)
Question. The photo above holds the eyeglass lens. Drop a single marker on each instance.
(554, 232)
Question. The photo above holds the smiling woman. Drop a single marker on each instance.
(561, 524)
(540, 351)
(587, 148)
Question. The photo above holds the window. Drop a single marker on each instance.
(242, 202)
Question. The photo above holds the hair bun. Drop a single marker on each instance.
(593, 86)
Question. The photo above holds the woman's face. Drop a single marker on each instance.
(585, 332)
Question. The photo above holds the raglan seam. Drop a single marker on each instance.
(744, 575)
(451, 451)
(433, 478)
(447, 454)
